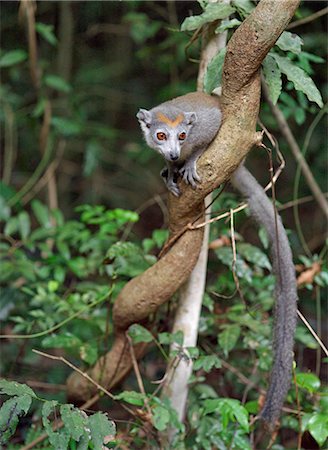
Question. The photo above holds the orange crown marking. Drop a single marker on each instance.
(172, 123)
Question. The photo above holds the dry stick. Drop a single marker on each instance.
(286, 132)
(308, 19)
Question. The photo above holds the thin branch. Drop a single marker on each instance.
(288, 135)
(76, 369)
(314, 334)
(311, 18)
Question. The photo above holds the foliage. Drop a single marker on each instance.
(62, 267)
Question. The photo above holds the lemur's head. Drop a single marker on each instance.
(166, 133)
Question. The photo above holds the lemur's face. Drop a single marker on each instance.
(166, 134)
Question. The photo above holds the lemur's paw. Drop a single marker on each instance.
(174, 189)
(190, 175)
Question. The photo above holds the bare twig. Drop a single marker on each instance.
(311, 18)
(314, 334)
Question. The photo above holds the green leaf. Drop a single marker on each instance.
(89, 352)
(139, 334)
(11, 226)
(64, 340)
(254, 255)
(4, 209)
(228, 338)
(213, 11)
(67, 127)
(47, 32)
(318, 427)
(244, 7)
(308, 381)
(10, 412)
(160, 236)
(132, 397)
(227, 24)
(161, 418)
(59, 440)
(101, 429)
(14, 388)
(290, 42)
(230, 410)
(57, 83)
(272, 77)
(41, 213)
(301, 80)
(207, 363)
(74, 421)
(24, 224)
(13, 57)
(213, 73)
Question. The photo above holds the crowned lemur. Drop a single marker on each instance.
(181, 130)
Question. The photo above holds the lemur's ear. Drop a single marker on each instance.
(191, 118)
(144, 117)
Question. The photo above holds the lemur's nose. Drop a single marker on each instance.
(174, 157)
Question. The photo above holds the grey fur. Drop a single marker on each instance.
(285, 293)
(200, 117)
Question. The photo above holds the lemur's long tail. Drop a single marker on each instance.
(285, 292)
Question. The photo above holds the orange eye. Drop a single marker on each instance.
(161, 136)
(182, 136)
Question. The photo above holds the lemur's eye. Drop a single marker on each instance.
(182, 136)
(161, 136)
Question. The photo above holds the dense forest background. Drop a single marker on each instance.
(73, 76)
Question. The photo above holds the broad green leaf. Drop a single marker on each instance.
(24, 224)
(10, 412)
(11, 226)
(132, 397)
(230, 410)
(101, 429)
(89, 352)
(272, 76)
(14, 388)
(244, 7)
(318, 427)
(58, 439)
(67, 127)
(63, 340)
(41, 213)
(47, 32)
(13, 57)
(213, 11)
(308, 381)
(226, 24)
(160, 236)
(213, 73)
(139, 334)
(228, 338)
(254, 255)
(301, 80)
(161, 418)
(57, 83)
(207, 363)
(290, 42)
(74, 420)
